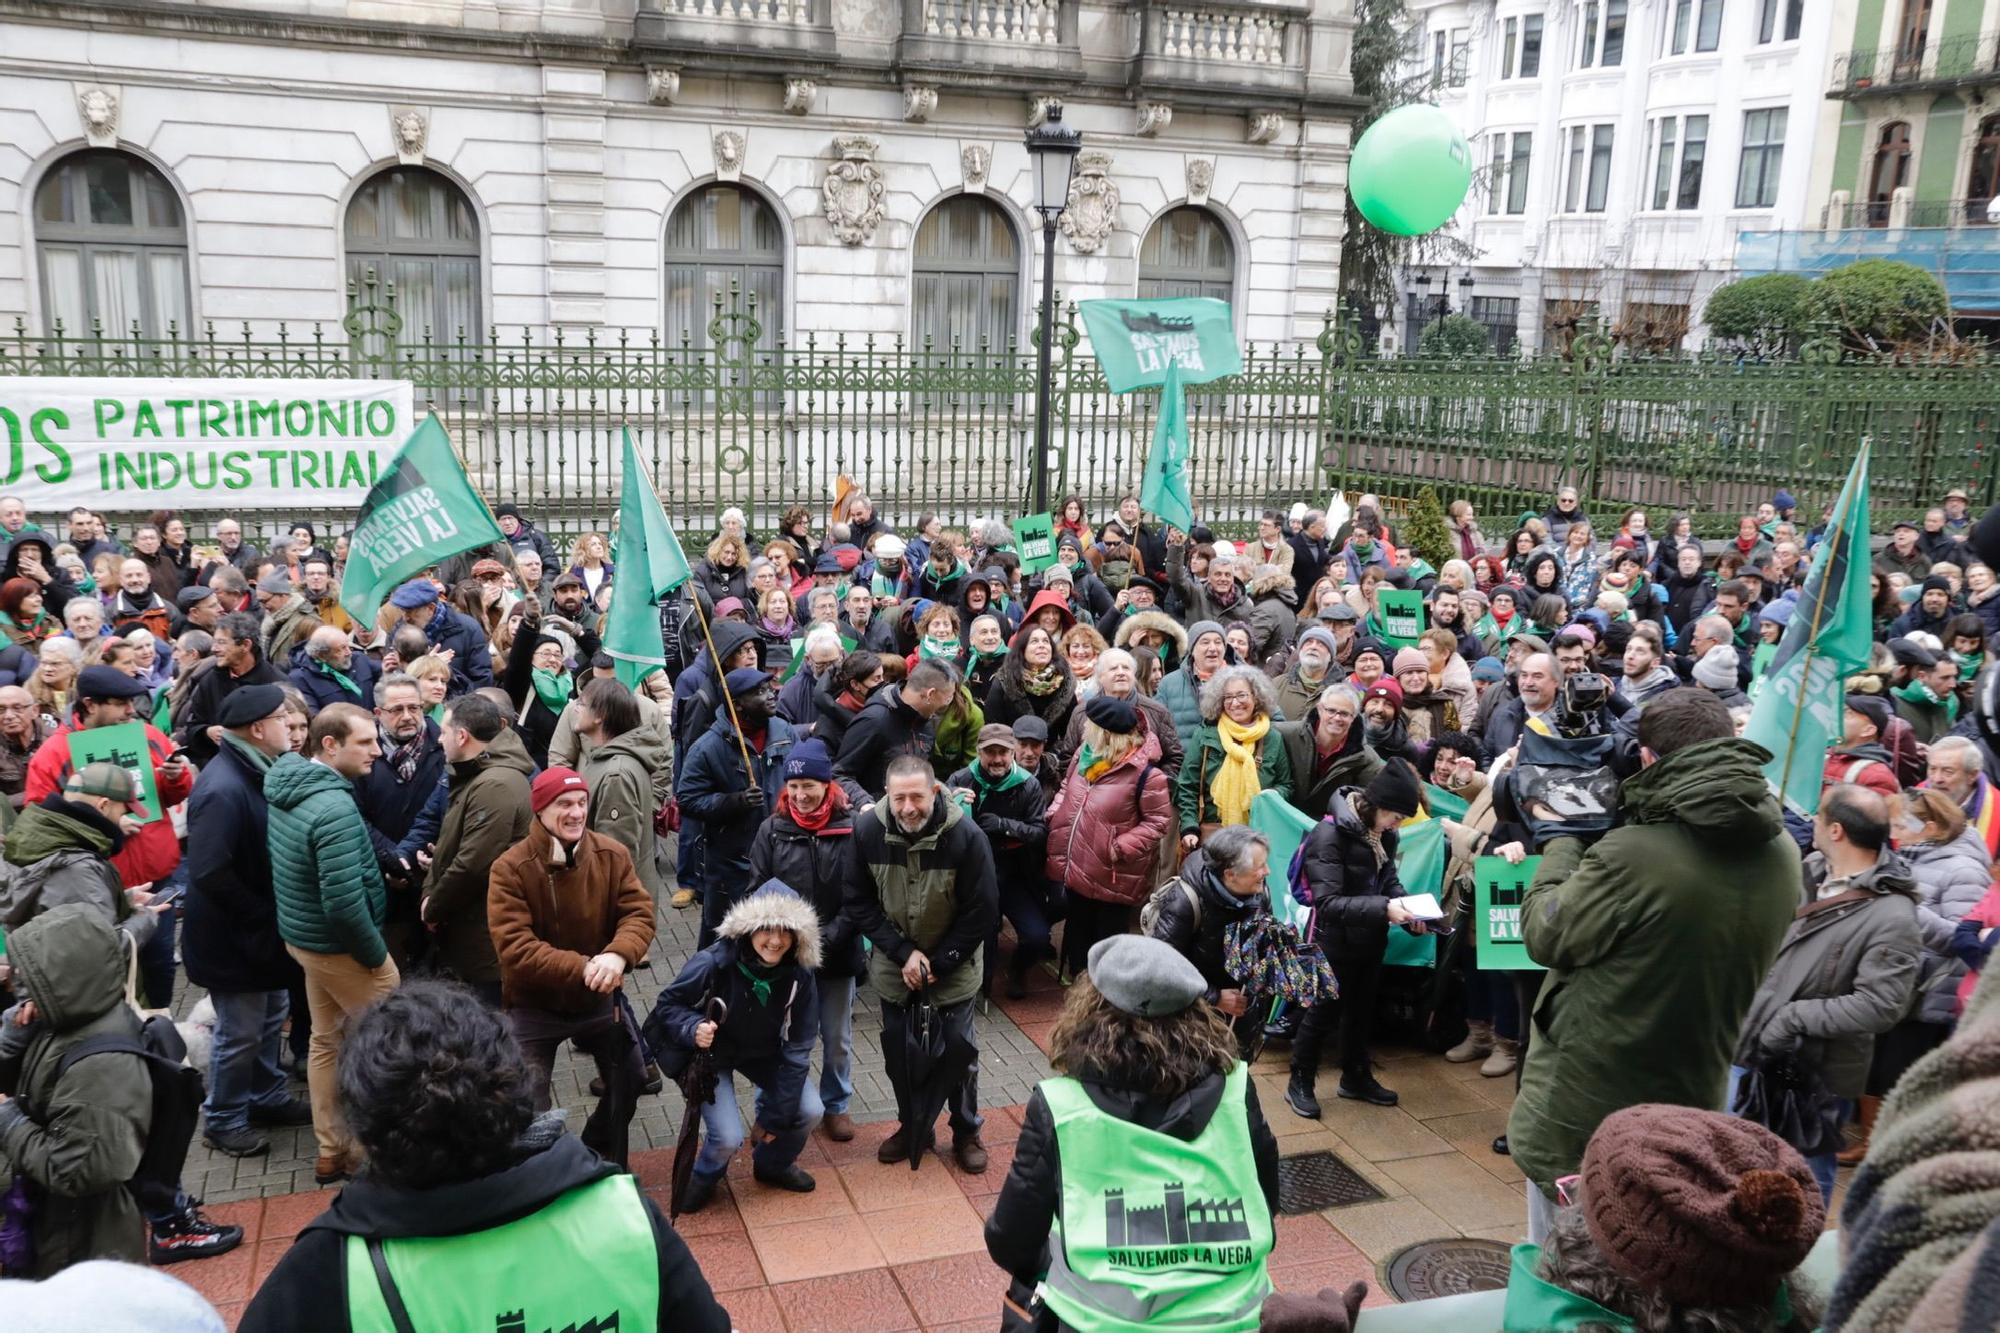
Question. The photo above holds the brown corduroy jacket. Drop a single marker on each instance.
(548, 920)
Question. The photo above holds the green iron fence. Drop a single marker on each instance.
(537, 415)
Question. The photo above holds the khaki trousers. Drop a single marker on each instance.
(337, 987)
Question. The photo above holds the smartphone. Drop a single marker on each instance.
(168, 896)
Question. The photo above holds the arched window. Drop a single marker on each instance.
(719, 238)
(415, 228)
(964, 295)
(1983, 182)
(1187, 253)
(113, 246)
(1891, 172)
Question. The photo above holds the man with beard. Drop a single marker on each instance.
(402, 800)
(1218, 597)
(1387, 732)
(1328, 749)
(568, 597)
(1534, 704)
(137, 603)
(924, 894)
(1956, 768)
(321, 593)
(1646, 675)
(238, 662)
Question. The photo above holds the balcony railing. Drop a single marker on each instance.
(1235, 45)
(1969, 59)
(1028, 22)
(747, 31)
(1887, 214)
(975, 42)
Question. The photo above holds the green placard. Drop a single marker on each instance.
(1444, 804)
(1402, 615)
(1498, 887)
(1035, 542)
(124, 745)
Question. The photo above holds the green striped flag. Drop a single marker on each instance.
(650, 565)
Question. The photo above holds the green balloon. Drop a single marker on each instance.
(1410, 172)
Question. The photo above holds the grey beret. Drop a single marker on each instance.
(1144, 976)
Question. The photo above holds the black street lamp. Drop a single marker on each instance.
(1052, 151)
(1465, 292)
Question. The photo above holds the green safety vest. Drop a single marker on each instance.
(585, 1260)
(1156, 1232)
(1535, 1305)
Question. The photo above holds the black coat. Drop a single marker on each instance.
(471, 658)
(229, 923)
(398, 814)
(1006, 701)
(1016, 825)
(1350, 892)
(830, 719)
(1197, 933)
(205, 705)
(884, 728)
(817, 867)
(1017, 1233)
(307, 1291)
(1309, 562)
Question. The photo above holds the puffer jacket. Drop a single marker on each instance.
(59, 852)
(324, 875)
(78, 1140)
(817, 866)
(1105, 836)
(486, 813)
(1180, 691)
(1951, 878)
(1196, 926)
(1158, 720)
(622, 774)
(1844, 975)
(1701, 868)
(1350, 889)
(552, 911)
(1194, 788)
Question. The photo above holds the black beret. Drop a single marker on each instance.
(250, 703)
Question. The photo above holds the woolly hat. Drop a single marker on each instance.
(1717, 668)
(1120, 717)
(1145, 977)
(277, 583)
(1935, 583)
(1783, 500)
(1582, 630)
(1201, 627)
(1362, 646)
(1395, 788)
(1321, 637)
(551, 783)
(1706, 1209)
(1410, 659)
(1489, 669)
(889, 547)
(1506, 590)
(1385, 688)
(809, 760)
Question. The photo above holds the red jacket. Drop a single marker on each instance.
(1861, 770)
(151, 853)
(1104, 836)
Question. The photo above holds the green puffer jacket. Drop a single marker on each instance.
(487, 813)
(323, 869)
(1656, 939)
(80, 1140)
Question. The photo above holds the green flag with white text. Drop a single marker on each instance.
(1135, 341)
(1799, 711)
(650, 565)
(1164, 489)
(421, 510)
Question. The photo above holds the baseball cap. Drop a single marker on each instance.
(996, 733)
(104, 779)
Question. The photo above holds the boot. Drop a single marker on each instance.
(839, 1126)
(1506, 1054)
(1478, 1043)
(1300, 1097)
(1361, 1086)
(1852, 1156)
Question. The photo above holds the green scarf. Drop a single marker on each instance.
(259, 761)
(946, 649)
(1016, 775)
(759, 987)
(983, 658)
(345, 681)
(1969, 664)
(1533, 1303)
(553, 688)
(1043, 682)
(1916, 692)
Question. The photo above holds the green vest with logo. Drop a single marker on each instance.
(1153, 1231)
(585, 1261)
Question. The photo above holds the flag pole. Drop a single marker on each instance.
(722, 680)
(1812, 642)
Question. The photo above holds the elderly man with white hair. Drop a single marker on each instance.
(1957, 767)
(333, 673)
(823, 650)
(83, 618)
(1117, 675)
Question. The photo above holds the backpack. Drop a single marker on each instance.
(1149, 914)
(177, 1098)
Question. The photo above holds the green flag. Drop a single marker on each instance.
(1421, 854)
(1164, 489)
(1136, 341)
(650, 565)
(421, 510)
(1798, 713)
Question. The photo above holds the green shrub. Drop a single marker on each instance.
(1763, 314)
(1454, 337)
(1878, 301)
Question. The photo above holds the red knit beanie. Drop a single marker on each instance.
(1705, 1208)
(551, 783)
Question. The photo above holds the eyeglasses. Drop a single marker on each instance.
(394, 710)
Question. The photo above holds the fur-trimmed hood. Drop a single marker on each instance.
(1157, 621)
(774, 906)
(1270, 579)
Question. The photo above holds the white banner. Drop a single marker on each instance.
(233, 445)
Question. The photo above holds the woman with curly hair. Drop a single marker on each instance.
(433, 1086)
(1150, 1133)
(723, 571)
(592, 556)
(1235, 754)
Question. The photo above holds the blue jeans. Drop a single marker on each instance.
(1825, 1166)
(836, 1043)
(1024, 903)
(722, 1129)
(243, 1071)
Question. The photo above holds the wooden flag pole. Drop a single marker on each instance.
(722, 684)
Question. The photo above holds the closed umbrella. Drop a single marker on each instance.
(932, 1063)
(697, 1083)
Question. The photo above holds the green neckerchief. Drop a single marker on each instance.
(259, 761)
(946, 650)
(1016, 775)
(884, 587)
(345, 681)
(1969, 664)
(1916, 692)
(437, 714)
(553, 688)
(1535, 1305)
(760, 987)
(1488, 625)
(993, 655)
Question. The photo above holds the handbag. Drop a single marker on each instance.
(1789, 1099)
(17, 1228)
(667, 819)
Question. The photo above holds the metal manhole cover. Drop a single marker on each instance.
(1447, 1268)
(1315, 1180)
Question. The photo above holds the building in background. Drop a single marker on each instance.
(1623, 147)
(856, 166)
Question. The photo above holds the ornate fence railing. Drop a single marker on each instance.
(537, 415)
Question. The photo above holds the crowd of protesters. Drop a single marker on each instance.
(411, 856)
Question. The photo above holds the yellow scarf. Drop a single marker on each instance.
(1236, 782)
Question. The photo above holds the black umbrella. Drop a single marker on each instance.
(697, 1082)
(934, 1062)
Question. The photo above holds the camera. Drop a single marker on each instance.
(1580, 701)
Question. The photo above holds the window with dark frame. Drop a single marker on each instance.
(416, 228)
(964, 289)
(1771, 14)
(1187, 253)
(112, 246)
(1763, 156)
(1520, 151)
(1531, 46)
(1502, 317)
(723, 241)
